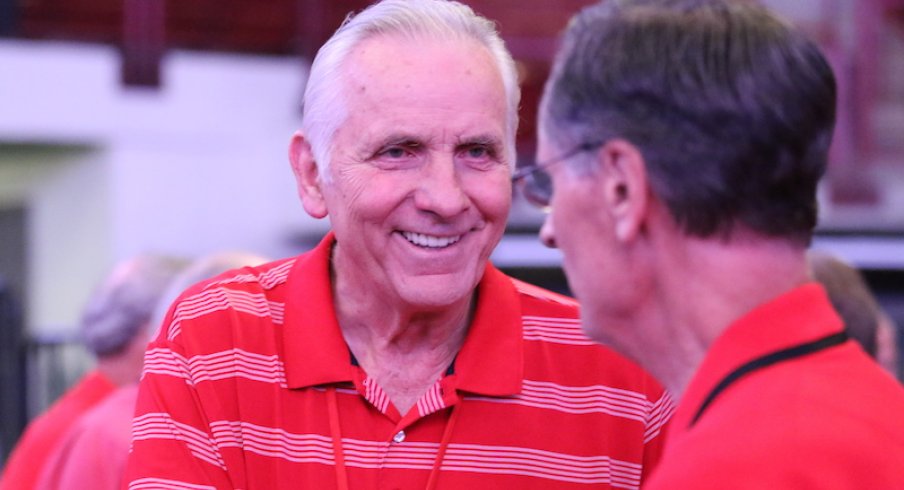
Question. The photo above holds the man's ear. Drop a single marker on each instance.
(307, 176)
(626, 189)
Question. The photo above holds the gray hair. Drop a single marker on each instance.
(199, 270)
(121, 306)
(732, 108)
(324, 103)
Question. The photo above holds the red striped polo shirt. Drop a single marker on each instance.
(250, 385)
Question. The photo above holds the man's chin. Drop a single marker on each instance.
(435, 292)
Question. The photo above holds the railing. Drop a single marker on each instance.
(35, 371)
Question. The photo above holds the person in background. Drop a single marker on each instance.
(887, 352)
(852, 298)
(92, 454)
(112, 328)
(393, 354)
(684, 140)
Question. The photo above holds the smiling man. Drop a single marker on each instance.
(685, 140)
(393, 355)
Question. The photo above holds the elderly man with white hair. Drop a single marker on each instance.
(393, 355)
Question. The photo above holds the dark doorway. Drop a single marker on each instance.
(12, 338)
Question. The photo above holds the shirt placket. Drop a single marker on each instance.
(399, 452)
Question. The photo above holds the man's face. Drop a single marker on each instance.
(420, 188)
(579, 225)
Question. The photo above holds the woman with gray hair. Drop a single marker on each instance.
(93, 453)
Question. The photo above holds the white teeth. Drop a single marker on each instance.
(430, 241)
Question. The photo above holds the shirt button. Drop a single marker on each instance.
(399, 437)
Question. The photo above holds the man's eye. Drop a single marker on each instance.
(399, 150)
(477, 152)
(394, 152)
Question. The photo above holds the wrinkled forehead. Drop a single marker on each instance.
(456, 75)
(393, 55)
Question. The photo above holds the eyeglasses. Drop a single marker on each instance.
(534, 181)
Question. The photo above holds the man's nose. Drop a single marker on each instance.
(547, 233)
(440, 189)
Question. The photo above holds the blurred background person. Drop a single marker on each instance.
(93, 453)
(112, 328)
(887, 354)
(853, 299)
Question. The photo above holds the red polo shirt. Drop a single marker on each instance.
(248, 389)
(832, 419)
(44, 433)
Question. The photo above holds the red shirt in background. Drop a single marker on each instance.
(92, 455)
(44, 433)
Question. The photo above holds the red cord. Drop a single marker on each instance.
(338, 453)
(443, 445)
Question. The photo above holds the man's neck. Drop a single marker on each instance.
(706, 287)
(119, 370)
(405, 350)
(124, 367)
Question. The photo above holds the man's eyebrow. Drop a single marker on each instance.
(479, 139)
(398, 139)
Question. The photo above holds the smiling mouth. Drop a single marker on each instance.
(430, 241)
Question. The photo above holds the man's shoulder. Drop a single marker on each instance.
(243, 296)
(550, 317)
(90, 390)
(536, 299)
(109, 420)
(551, 328)
(262, 278)
(792, 435)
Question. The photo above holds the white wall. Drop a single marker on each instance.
(68, 240)
(194, 167)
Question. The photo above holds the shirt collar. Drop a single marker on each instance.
(490, 361)
(802, 315)
(315, 352)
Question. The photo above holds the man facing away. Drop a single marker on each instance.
(92, 453)
(393, 355)
(113, 327)
(684, 140)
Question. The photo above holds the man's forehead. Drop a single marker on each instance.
(388, 53)
(410, 44)
(438, 75)
(438, 133)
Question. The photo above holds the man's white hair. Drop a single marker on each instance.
(324, 104)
